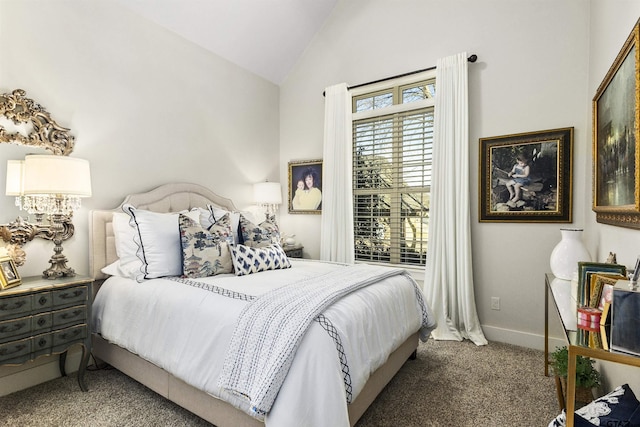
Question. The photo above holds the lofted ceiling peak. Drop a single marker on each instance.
(265, 37)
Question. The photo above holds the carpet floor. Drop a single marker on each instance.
(449, 384)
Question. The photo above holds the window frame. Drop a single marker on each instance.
(395, 86)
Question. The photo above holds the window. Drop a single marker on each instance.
(392, 158)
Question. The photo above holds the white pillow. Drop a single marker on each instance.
(128, 264)
(157, 236)
(206, 219)
(126, 247)
(111, 269)
(217, 212)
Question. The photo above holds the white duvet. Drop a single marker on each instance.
(186, 330)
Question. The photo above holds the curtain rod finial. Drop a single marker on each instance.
(473, 58)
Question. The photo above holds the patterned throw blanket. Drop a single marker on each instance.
(271, 327)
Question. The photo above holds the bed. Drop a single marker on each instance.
(315, 387)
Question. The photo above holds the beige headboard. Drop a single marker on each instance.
(165, 198)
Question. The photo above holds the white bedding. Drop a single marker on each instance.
(186, 330)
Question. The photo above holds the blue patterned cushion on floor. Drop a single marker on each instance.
(620, 408)
(559, 421)
(248, 260)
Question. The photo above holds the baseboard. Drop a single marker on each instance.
(41, 370)
(522, 339)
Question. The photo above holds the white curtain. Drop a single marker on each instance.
(336, 231)
(448, 283)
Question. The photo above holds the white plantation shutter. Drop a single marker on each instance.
(392, 161)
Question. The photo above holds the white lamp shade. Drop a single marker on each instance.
(46, 174)
(15, 178)
(267, 193)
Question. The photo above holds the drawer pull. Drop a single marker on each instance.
(42, 342)
(15, 327)
(42, 300)
(17, 349)
(74, 294)
(71, 334)
(7, 306)
(73, 314)
(42, 321)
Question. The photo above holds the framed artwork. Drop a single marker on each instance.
(305, 187)
(526, 177)
(601, 288)
(616, 183)
(9, 276)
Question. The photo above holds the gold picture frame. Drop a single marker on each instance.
(9, 276)
(526, 177)
(305, 187)
(616, 139)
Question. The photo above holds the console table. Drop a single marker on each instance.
(566, 307)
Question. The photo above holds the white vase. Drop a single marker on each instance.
(567, 253)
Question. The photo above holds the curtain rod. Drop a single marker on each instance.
(472, 58)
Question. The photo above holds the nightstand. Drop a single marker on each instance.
(293, 251)
(42, 317)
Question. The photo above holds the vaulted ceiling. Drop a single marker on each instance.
(265, 37)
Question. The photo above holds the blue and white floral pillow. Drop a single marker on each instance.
(258, 236)
(205, 252)
(248, 260)
(620, 408)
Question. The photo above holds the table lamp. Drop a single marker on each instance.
(268, 195)
(52, 186)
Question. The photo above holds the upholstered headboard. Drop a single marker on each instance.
(165, 198)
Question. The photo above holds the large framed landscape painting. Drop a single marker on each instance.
(526, 177)
(616, 183)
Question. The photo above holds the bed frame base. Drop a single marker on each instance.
(219, 412)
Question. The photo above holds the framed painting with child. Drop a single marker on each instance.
(526, 177)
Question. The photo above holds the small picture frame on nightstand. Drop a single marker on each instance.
(9, 276)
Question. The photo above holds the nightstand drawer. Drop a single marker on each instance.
(16, 351)
(293, 251)
(62, 339)
(69, 316)
(15, 306)
(41, 323)
(41, 345)
(42, 301)
(11, 329)
(71, 296)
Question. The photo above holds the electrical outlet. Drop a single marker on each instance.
(495, 303)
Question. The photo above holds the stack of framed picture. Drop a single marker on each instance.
(594, 296)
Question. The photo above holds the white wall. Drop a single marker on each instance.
(146, 107)
(611, 23)
(531, 75)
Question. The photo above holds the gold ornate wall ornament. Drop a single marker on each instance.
(46, 133)
(19, 232)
